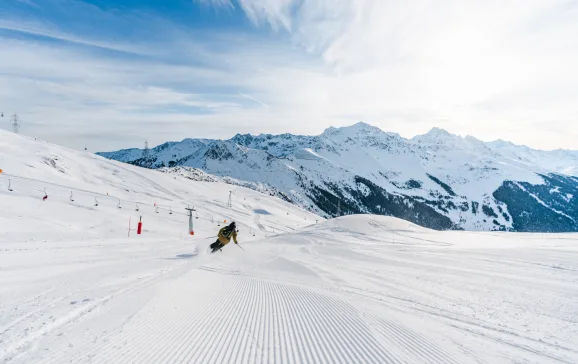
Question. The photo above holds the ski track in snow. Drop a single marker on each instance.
(325, 294)
(249, 315)
(260, 322)
(216, 313)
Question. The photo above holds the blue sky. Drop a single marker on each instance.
(110, 74)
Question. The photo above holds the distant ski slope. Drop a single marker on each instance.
(358, 289)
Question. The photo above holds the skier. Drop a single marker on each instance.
(224, 237)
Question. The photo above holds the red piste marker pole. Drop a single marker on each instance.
(139, 227)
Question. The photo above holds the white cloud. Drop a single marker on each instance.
(486, 68)
(444, 61)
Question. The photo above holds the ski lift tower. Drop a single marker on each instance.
(190, 210)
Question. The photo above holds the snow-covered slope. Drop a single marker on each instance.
(75, 288)
(560, 160)
(89, 183)
(65, 258)
(363, 289)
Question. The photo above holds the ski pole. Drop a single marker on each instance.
(240, 247)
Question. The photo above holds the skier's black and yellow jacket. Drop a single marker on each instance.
(225, 235)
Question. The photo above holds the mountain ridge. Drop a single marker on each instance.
(452, 182)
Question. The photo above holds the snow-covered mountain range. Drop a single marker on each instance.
(438, 180)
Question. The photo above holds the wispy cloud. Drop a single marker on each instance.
(254, 99)
(445, 59)
(486, 68)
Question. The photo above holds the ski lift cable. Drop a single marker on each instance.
(30, 186)
(30, 181)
